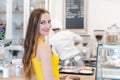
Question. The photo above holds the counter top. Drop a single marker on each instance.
(66, 76)
(12, 78)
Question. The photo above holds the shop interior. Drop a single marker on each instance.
(96, 21)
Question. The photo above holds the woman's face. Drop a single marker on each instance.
(45, 24)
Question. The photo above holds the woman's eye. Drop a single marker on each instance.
(49, 21)
(45, 22)
(42, 22)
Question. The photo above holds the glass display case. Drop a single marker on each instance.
(14, 16)
(15, 13)
(108, 61)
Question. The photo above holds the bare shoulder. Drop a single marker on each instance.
(43, 50)
(43, 46)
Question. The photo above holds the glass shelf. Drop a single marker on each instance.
(2, 12)
(20, 11)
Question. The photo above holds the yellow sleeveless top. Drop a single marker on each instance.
(37, 66)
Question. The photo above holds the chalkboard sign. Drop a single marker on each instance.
(75, 14)
(2, 31)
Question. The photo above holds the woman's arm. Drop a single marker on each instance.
(45, 56)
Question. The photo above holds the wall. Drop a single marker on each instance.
(56, 9)
(100, 15)
(103, 13)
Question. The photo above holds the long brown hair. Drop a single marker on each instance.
(31, 40)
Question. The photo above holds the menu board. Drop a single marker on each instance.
(2, 31)
(74, 14)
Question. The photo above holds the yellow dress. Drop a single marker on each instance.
(37, 66)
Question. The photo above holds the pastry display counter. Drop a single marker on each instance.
(82, 73)
(83, 70)
(108, 61)
(76, 77)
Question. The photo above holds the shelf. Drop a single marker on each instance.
(14, 47)
(18, 12)
(111, 66)
(111, 73)
(2, 12)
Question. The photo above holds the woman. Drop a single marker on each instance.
(38, 59)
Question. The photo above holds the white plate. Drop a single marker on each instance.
(86, 71)
(66, 70)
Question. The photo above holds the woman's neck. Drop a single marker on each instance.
(42, 37)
